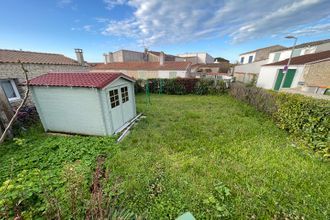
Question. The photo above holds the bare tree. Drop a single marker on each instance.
(12, 120)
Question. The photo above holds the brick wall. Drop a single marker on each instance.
(14, 71)
(317, 74)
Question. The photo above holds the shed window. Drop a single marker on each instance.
(124, 94)
(10, 89)
(276, 57)
(114, 98)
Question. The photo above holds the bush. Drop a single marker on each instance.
(304, 117)
(182, 86)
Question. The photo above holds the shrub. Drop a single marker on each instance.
(304, 117)
(182, 86)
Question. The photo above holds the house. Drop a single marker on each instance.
(250, 63)
(12, 76)
(308, 72)
(220, 59)
(202, 69)
(301, 49)
(84, 103)
(146, 70)
(197, 57)
(135, 56)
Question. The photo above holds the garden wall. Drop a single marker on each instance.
(304, 117)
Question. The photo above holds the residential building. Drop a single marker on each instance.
(12, 76)
(198, 57)
(202, 69)
(220, 59)
(308, 73)
(146, 70)
(301, 49)
(250, 63)
(135, 56)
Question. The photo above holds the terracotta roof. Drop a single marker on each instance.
(81, 79)
(301, 60)
(168, 65)
(12, 56)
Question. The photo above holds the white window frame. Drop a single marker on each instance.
(13, 84)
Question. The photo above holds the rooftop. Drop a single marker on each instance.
(168, 65)
(79, 79)
(12, 56)
(311, 44)
(280, 47)
(304, 59)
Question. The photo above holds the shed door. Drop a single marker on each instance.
(116, 108)
(127, 102)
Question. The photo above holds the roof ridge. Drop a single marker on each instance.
(27, 51)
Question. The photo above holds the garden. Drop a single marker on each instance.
(211, 155)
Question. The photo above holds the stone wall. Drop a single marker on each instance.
(15, 72)
(317, 74)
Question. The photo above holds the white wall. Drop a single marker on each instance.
(165, 74)
(268, 75)
(246, 57)
(285, 54)
(322, 47)
(250, 67)
(72, 110)
(201, 56)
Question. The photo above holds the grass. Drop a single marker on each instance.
(210, 155)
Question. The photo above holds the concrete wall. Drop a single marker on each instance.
(14, 71)
(268, 75)
(250, 67)
(197, 57)
(127, 56)
(72, 110)
(149, 74)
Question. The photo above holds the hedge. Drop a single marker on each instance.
(304, 117)
(182, 86)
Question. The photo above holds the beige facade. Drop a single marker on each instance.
(317, 74)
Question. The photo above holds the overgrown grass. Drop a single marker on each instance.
(217, 157)
(211, 155)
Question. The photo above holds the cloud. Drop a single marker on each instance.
(159, 21)
(113, 3)
(63, 3)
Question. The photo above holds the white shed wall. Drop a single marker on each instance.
(246, 57)
(72, 110)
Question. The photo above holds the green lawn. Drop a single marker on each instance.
(210, 155)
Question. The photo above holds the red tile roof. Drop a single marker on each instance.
(12, 56)
(81, 79)
(301, 60)
(170, 65)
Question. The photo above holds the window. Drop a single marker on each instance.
(250, 59)
(114, 98)
(10, 89)
(124, 94)
(242, 59)
(276, 57)
(296, 52)
(172, 74)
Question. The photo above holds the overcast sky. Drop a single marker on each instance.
(221, 28)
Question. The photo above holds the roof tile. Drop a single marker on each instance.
(12, 56)
(81, 79)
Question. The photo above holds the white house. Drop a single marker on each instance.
(147, 70)
(301, 49)
(251, 62)
(308, 72)
(84, 103)
(197, 57)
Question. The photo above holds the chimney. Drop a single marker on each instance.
(106, 59)
(80, 56)
(110, 57)
(146, 54)
(161, 58)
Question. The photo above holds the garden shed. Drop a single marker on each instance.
(84, 103)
